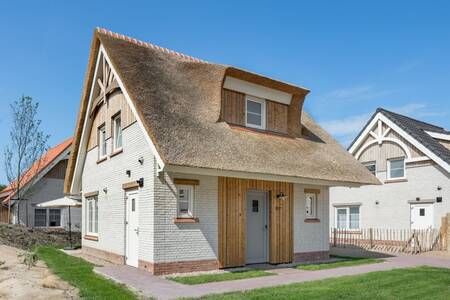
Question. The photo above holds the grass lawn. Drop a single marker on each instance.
(79, 273)
(204, 278)
(411, 283)
(345, 262)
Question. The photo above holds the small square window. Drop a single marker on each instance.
(255, 115)
(422, 212)
(372, 167)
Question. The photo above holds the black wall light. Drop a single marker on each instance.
(140, 181)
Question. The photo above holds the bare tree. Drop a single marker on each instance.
(24, 154)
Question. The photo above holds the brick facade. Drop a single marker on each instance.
(311, 256)
(179, 266)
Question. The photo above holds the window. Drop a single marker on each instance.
(311, 206)
(102, 141)
(255, 115)
(422, 212)
(92, 215)
(40, 217)
(396, 168)
(348, 217)
(117, 132)
(54, 218)
(185, 199)
(372, 167)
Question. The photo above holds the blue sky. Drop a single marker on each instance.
(353, 56)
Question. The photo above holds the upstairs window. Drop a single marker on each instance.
(185, 200)
(396, 168)
(117, 132)
(255, 112)
(102, 141)
(372, 167)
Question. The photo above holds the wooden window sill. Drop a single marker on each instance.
(396, 180)
(91, 237)
(186, 220)
(312, 221)
(102, 159)
(118, 151)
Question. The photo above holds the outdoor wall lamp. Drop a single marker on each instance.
(105, 190)
(140, 181)
(141, 160)
(281, 196)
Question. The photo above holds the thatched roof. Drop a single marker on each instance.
(179, 100)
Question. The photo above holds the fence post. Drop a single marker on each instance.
(371, 237)
(334, 237)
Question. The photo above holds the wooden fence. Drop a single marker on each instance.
(388, 240)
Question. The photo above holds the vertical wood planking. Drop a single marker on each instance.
(232, 220)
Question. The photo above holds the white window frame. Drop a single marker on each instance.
(94, 231)
(102, 146)
(347, 217)
(115, 147)
(371, 163)
(263, 112)
(190, 189)
(314, 205)
(389, 168)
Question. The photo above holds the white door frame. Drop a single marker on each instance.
(132, 256)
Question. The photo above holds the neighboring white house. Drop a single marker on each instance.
(185, 165)
(411, 158)
(44, 181)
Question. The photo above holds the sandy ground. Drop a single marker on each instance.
(17, 282)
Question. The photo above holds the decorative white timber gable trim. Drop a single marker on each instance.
(439, 136)
(111, 76)
(356, 149)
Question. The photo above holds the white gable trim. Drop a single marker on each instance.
(439, 136)
(81, 155)
(380, 117)
(256, 90)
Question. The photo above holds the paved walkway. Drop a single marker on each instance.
(161, 288)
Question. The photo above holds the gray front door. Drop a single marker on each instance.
(257, 227)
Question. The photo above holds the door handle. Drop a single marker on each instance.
(137, 230)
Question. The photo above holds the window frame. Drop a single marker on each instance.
(102, 145)
(389, 161)
(114, 134)
(371, 163)
(94, 231)
(263, 112)
(60, 217)
(190, 189)
(314, 205)
(46, 217)
(347, 217)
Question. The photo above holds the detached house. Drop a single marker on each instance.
(186, 165)
(412, 160)
(44, 181)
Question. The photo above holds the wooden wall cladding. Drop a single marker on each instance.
(233, 112)
(58, 171)
(277, 117)
(232, 223)
(116, 102)
(233, 107)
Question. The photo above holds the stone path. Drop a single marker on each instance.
(161, 288)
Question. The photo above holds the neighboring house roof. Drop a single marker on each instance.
(46, 160)
(418, 130)
(178, 99)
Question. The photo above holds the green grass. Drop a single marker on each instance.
(205, 278)
(413, 283)
(79, 273)
(345, 262)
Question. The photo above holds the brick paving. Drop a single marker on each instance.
(160, 288)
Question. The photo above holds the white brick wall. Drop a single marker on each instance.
(393, 210)
(111, 174)
(310, 237)
(186, 241)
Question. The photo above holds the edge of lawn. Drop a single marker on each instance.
(217, 277)
(80, 274)
(346, 261)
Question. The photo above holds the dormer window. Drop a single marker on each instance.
(255, 112)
